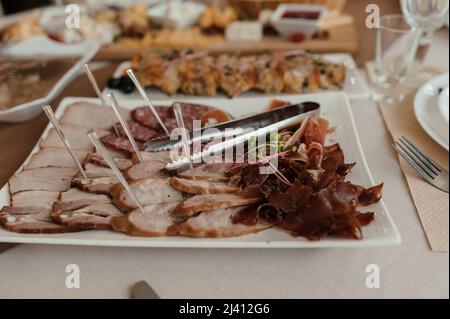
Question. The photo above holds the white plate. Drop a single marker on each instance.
(427, 111)
(355, 85)
(29, 110)
(335, 107)
(444, 104)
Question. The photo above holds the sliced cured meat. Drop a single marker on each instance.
(93, 216)
(43, 199)
(98, 185)
(209, 202)
(74, 194)
(140, 132)
(76, 198)
(193, 186)
(143, 115)
(54, 157)
(77, 137)
(19, 183)
(148, 191)
(207, 172)
(91, 116)
(32, 220)
(154, 221)
(121, 163)
(191, 112)
(120, 143)
(150, 156)
(49, 172)
(216, 223)
(94, 170)
(148, 170)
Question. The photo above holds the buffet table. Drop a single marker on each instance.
(409, 270)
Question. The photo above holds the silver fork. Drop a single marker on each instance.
(428, 169)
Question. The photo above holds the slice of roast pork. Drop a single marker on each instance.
(150, 169)
(43, 199)
(209, 172)
(216, 223)
(121, 163)
(209, 202)
(41, 179)
(74, 198)
(91, 116)
(97, 185)
(148, 191)
(54, 157)
(77, 137)
(94, 170)
(153, 156)
(194, 186)
(81, 216)
(153, 222)
(32, 220)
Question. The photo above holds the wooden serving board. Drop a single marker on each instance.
(343, 37)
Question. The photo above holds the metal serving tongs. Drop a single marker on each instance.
(245, 129)
(239, 126)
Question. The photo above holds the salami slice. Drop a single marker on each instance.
(120, 143)
(140, 132)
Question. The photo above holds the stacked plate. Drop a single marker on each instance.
(431, 107)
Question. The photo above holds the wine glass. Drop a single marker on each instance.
(394, 41)
(425, 17)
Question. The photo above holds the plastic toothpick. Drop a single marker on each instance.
(94, 84)
(101, 149)
(51, 116)
(184, 133)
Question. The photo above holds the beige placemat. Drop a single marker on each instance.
(432, 204)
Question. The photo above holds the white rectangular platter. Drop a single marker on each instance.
(334, 106)
(355, 85)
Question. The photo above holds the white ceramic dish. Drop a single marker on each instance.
(335, 107)
(427, 111)
(444, 104)
(29, 110)
(287, 27)
(182, 14)
(355, 85)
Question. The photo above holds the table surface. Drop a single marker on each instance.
(406, 271)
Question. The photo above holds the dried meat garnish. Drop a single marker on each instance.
(313, 199)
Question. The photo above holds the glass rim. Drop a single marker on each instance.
(393, 29)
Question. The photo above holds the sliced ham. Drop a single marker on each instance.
(193, 186)
(210, 172)
(93, 216)
(154, 221)
(208, 202)
(152, 156)
(148, 191)
(75, 194)
(77, 137)
(43, 199)
(33, 220)
(54, 157)
(121, 163)
(148, 170)
(98, 185)
(19, 183)
(77, 198)
(91, 116)
(94, 170)
(217, 223)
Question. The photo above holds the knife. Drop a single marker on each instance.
(239, 126)
(285, 120)
(142, 290)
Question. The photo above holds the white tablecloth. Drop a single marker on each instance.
(406, 271)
